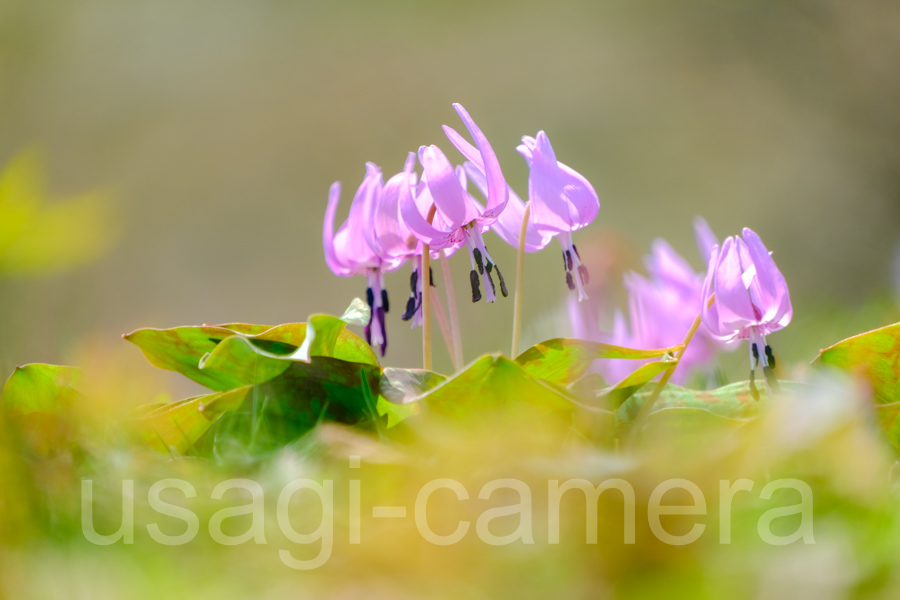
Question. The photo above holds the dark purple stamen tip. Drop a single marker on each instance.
(770, 356)
(370, 297)
(380, 312)
(568, 261)
(569, 281)
(384, 301)
(478, 261)
(411, 309)
(430, 276)
(413, 281)
(503, 289)
(476, 288)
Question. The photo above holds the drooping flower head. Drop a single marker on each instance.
(458, 218)
(365, 245)
(751, 296)
(562, 201)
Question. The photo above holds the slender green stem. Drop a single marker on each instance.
(667, 375)
(517, 301)
(457, 354)
(442, 324)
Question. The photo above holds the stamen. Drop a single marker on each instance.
(575, 248)
(568, 261)
(770, 356)
(384, 301)
(755, 350)
(753, 391)
(411, 308)
(565, 262)
(476, 291)
(430, 276)
(414, 281)
(370, 297)
(380, 314)
(503, 289)
(569, 281)
(491, 280)
(583, 273)
(478, 261)
(771, 379)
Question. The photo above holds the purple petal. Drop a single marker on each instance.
(706, 239)
(735, 311)
(583, 201)
(331, 258)
(549, 207)
(448, 194)
(774, 299)
(496, 184)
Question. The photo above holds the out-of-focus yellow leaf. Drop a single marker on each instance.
(39, 238)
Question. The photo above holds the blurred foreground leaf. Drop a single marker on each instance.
(564, 360)
(37, 237)
(36, 401)
(874, 355)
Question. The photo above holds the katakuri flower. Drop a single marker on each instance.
(362, 246)
(458, 218)
(562, 202)
(751, 297)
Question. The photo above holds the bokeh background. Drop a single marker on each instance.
(218, 125)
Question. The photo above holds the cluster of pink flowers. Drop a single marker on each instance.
(391, 222)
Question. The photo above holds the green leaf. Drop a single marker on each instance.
(733, 401)
(889, 418)
(37, 237)
(563, 360)
(404, 386)
(874, 355)
(40, 388)
(36, 401)
(232, 356)
(177, 426)
(493, 382)
(626, 388)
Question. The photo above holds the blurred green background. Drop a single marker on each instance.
(218, 125)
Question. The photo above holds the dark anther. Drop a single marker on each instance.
(368, 332)
(430, 276)
(478, 261)
(753, 391)
(569, 281)
(568, 261)
(503, 289)
(771, 379)
(755, 355)
(491, 281)
(489, 266)
(384, 301)
(476, 290)
(370, 297)
(413, 281)
(411, 308)
(583, 272)
(770, 356)
(575, 248)
(565, 262)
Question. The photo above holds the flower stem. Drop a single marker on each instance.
(457, 354)
(517, 301)
(644, 413)
(442, 324)
(426, 298)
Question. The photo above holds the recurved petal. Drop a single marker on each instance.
(584, 203)
(706, 238)
(549, 206)
(418, 225)
(497, 190)
(331, 258)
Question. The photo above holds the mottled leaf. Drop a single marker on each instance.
(563, 360)
(874, 355)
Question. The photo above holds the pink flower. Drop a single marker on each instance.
(562, 201)
(458, 218)
(368, 243)
(752, 298)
